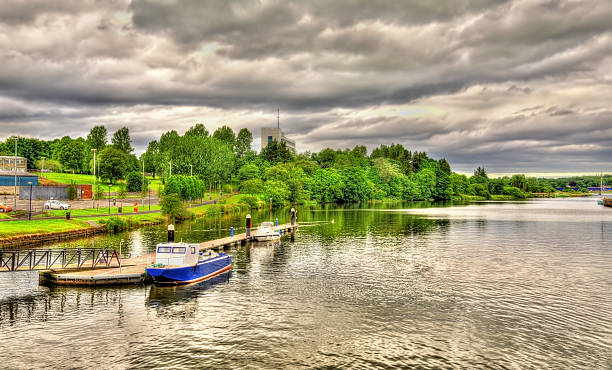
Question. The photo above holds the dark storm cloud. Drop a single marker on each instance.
(475, 81)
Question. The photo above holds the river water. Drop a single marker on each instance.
(496, 285)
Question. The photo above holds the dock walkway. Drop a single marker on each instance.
(132, 270)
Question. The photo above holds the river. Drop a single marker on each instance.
(497, 285)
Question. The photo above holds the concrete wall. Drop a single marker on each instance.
(43, 192)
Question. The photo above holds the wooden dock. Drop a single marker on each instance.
(607, 202)
(132, 270)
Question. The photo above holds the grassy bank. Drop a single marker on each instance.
(17, 228)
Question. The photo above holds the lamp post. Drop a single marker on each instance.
(170, 169)
(191, 170)
(43, 165)
(15, 166)
(109, 200)
(120, 244)
(30, 211)
(94, 176)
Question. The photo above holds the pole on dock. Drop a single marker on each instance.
(277, 222)
(170, 233)
(231, 232)
(292, 216)
(248, 225)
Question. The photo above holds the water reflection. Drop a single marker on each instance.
(500, 285)
(163, 296)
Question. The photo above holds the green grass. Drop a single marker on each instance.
(99, 211)
(79, 179)
(4, 215)
(15, 228)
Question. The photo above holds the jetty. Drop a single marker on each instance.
(131, 271)
(607, 202)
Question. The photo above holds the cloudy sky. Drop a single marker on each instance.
(516, 86)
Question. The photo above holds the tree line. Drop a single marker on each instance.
(195, 161)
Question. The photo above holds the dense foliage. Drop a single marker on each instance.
(196, 162)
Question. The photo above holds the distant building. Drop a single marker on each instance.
(275, 134)
(7, 163)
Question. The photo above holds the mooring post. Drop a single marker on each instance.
(293, 224)
(170, 233)
(277, 222)
(248, 225)
(232, 232)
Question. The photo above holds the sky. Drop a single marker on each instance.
(515, 86)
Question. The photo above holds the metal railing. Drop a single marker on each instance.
(45, 259)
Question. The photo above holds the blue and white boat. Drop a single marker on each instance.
(182, 263)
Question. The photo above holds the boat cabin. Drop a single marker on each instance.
(177, 254)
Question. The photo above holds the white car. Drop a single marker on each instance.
(56, 204)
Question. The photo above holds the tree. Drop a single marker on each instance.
(277, 192)
(113, 164)
(198, 130)
(459, 183)
(97, 138)
(356, 186)
(248, 171)
(71, 153)
(134, 181)
(172, 206)
(276, 152)
(152, 158)
(226, 135)
(480, 171)
(327, 185)
(121, 140)
(243, 142)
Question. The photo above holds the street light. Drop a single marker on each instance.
(15, 163)
(170, 169)
(30, 211)
(43, 165)
(109, 200)
(191, 170)
(94, 175)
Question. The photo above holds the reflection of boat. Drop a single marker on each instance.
(600, 202)
(181, 263)
(266, 232)
(169, 295)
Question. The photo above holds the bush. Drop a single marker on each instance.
(248, 172)
(254, 186)
(250, 201)
(479, 189)
(213, 211)
(71, 191)
(514, 191)
(115, 224)
(277, 191)
(227, 189)
(184, 186)
(134, 181)
(172, 206)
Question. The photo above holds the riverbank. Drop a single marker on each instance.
(39, 230)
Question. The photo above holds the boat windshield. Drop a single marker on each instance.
(267, 224)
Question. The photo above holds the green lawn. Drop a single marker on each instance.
(77, 178)
(14, 228)
(97, 211)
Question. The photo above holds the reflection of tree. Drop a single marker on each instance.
(57, 304)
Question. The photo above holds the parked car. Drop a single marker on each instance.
(5, 208)
(56, 204)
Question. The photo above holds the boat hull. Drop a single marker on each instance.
(191, 274)
(263, 238)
